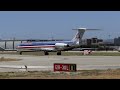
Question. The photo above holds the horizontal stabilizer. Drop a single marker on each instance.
(85, 29)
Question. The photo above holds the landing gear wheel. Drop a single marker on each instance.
(20, 53)
(59, 53)
(46, 53)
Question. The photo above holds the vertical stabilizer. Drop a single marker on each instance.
(80, 32)
(78, 37)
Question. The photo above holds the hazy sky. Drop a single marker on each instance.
(58, 24)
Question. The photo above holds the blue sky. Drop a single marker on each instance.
(58, 24)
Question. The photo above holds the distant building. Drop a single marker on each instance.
(89, 41)
(117, 41)
(93, 41)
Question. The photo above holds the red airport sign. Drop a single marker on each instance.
(64, 67)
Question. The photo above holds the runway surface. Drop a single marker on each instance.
(41, 63)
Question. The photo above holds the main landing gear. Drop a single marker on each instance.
(58, 53)
(46, 53)
(20, 53)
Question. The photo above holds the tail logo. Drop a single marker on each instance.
(77, 36)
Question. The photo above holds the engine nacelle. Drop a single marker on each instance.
(61, 45)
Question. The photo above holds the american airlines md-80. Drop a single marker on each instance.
(54, 46)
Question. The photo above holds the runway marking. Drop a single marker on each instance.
(23, 66)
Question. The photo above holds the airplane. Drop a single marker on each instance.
(53, 46)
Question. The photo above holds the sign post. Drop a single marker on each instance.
(65, 67)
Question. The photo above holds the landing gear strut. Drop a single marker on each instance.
(59, 53)
(20, 53)
(46, 53)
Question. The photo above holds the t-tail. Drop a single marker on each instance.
(78, 37)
